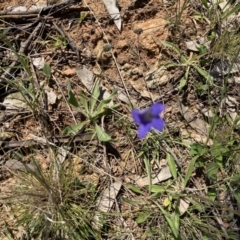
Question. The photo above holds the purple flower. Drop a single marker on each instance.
(148, 118)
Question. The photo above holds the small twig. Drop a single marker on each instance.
(13, 26)
(22, 50)
(44, 11)
(41, 141)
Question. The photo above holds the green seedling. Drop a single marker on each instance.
(83, 15)
(188, 63)
(93, 110)
(55, 42)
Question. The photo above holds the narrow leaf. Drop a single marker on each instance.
(212, 193)
(172, 46)
(190, 170)
(101, 134)
(74, 129)
(237, 196)
(172, 165)
(134, 188)
(212, 170)
(133, 202)
(231, 11)
(72, 100)
(94, 96)
(157, 189)
(203, 73)
(47, 70)
(170, 221)
(105, 102)
(176, 218)
(143, 217)
(83, 99)
(149, 175)
(204, 2)
(183, 81)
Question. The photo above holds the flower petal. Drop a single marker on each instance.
(143, 130)
(158, 123)
(136, 116)
(157, 108)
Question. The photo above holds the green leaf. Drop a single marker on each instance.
(157, 189)
(94, 96)
(47, 70)
(204, 2)
(172, 220)
(190, 170)
(183, 83)
(203, 73)
(230, 11)
(198, 149)
(101, 134)
(172, 165)
(72, 100)
(74, 129)
(183, 60)
(212, 36)
(134, 188)
(202, 49)
(130, 201)
(83, 100)
(236, 178)
(149, 175)
(176, 219)
(143, 217)
(170, 64)
(212, 194)
(172, 46)
(105, 102)
(211, 170)
(236, 196)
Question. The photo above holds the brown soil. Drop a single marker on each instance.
(137, 49)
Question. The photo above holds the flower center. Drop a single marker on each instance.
(147, 116)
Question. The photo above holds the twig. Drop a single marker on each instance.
(22, 50)
(44, 11)
(41, 141)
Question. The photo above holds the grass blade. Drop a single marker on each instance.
(172, 165)
(190, 170)
(172, 46)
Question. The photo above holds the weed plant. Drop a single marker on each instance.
(200, 201)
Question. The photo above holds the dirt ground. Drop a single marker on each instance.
(138, 52)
